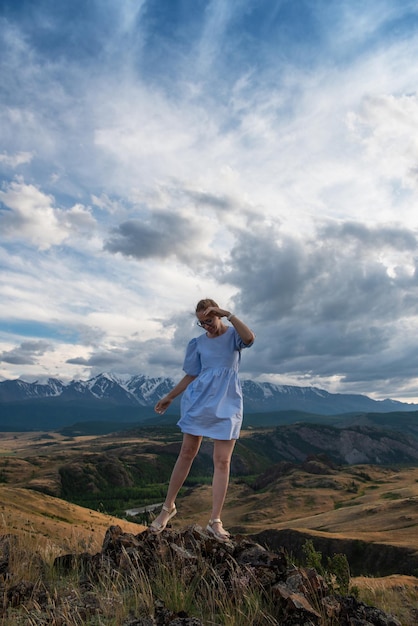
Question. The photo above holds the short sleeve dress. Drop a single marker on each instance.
(211, 405)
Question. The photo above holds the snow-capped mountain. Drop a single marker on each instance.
(118, 390)
(11, 390)
(144, 391)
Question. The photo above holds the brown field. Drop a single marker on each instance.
(371, 503)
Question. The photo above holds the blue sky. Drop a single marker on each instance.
(262, 153)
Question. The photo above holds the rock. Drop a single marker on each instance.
(355, 613)
(294, 602)
(298, 595)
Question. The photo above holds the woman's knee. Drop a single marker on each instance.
(190, 448)
(188, 454)
(222, 463)
(222, 454)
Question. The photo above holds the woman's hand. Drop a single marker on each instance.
(242, 329)
(162, 405)
(215, 310)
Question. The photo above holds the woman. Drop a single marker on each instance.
(211, 406)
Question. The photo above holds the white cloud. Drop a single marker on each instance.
(31, 215)
(385, 125)
(14, 160)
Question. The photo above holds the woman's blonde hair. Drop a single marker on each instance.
(204, 304)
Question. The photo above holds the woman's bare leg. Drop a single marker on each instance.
(222, 453)
(189, 449)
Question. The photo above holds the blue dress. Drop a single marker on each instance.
(211, 405)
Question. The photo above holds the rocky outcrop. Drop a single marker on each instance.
(296, 595)
(237, 570)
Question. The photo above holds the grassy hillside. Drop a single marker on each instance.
(50, 521)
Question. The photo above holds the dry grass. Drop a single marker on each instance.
(397, 595)
(51, 522)
(58, 599)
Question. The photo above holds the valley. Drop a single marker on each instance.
(364, 502)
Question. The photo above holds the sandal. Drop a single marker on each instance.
(156, 527)
(224, 536)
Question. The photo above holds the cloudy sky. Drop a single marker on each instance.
(260, 152)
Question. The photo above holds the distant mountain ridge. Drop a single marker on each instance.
(133, 391)
(144, 391)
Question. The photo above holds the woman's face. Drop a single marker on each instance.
(209, 322)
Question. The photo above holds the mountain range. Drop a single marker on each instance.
(145, 391)
(107, 397)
